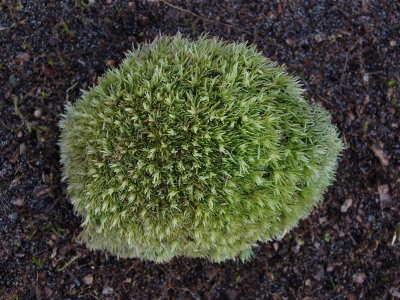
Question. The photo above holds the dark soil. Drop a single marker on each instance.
(347, 54)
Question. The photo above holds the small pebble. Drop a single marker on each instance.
(290, 42)
(319, 38)
(366, 78)
(38, 113)
(346, 205)
(359, 277)
(19, 202)
(276, 246)
(107, 291)
(392, 43)
(110, 62)
(22, 149)
(88, 279)
(308, 282)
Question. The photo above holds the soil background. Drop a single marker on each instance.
(347, 56)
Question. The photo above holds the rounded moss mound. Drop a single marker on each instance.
(196, 148)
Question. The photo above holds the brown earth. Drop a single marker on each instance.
(347, 54)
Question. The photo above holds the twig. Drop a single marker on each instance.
(217, 22)
(195, 296)
(347, 59)
(349, 19)
(69, 263)
(51, 207)
(69, 89)
(20, 115)
(8, 127)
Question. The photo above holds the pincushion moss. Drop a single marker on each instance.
(196, 148)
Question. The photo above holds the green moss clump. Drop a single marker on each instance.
(196, 148)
